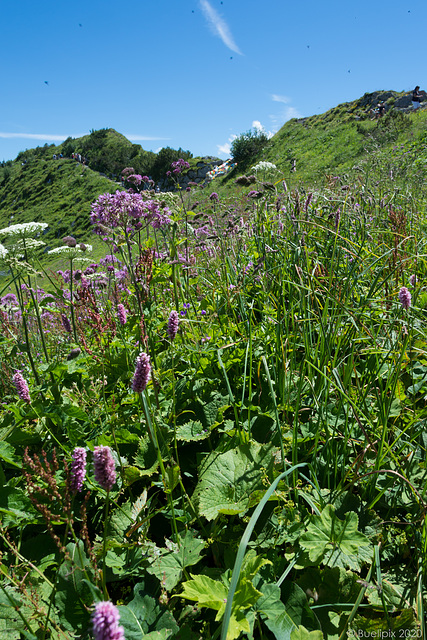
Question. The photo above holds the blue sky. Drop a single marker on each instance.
(195, 73)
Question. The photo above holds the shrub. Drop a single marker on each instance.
(246, 147)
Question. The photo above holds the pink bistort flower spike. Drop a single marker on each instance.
(121, 314)
(78, 469)
(173, 324)
(104, 467)
(405, 297)
(142, 373)
(21, 386)
(105, 622)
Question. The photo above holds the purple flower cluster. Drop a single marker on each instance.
(135, 178)
(173, 324)
(142, 373)
(179, 165)
(413, 280)
(104, 467)
(126, 211)
(9, 300)
(105, 622)
(121, 314)
(78, 469)
(405, 297)
(186, 306)
(21, 387)
(214, 196)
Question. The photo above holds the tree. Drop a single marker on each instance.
(246, 147)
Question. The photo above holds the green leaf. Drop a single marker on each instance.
(206, 592)
(335, 542)
(143, 617)
(302, 634)
(273, 612)
(227, 480)
(191, 431)
(169, 566)
(73, 596)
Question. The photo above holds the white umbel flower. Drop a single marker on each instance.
(71, 251)
(25, 230)
(3, 252)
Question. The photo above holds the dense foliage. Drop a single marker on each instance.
(219, 428)
(247, 146)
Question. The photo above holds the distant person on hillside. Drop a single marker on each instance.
(416, 97)
(381, 109)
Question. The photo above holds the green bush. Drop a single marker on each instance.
(246, 147)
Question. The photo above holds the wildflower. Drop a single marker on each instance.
(69, 241)
(121, 314)
(3, 252)
(413, 280)
(71, 251)
(253, 194)
(173, 324)
(78, 469)
(65, 323)
(405, 297)
(142, 373)
(104, 467)
(214, 196)
(105, 622)
(24, 230)
(21, 386)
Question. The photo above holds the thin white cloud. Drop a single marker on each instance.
(219, 26)
(225, 149)
(36, 136)
(256, 124)
(277, 98)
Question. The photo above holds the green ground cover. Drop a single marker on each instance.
(246, 373)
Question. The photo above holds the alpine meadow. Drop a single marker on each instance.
(213, 419)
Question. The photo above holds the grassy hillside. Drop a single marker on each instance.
(341, 139)
(59, 192)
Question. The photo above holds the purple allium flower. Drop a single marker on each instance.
(214, 196)
(78, 469)
(65, 323)
(413, 280)
(142, 373)
(405, 297)
(121, 314)
(104, 467)
(173, 324)
(21, 386)
(105, 621)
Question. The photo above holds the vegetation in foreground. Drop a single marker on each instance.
(218, 428)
